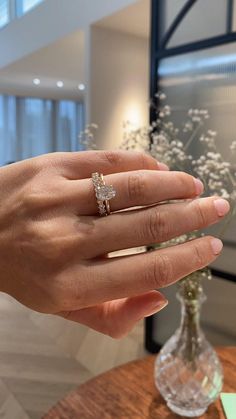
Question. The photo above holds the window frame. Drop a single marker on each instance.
(159, 51)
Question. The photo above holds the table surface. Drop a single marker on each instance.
(128, 392)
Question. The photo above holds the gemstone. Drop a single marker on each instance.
(104, 193)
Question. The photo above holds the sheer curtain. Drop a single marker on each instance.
(31, 126)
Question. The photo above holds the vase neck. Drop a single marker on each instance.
(190, 333)
(190, 316)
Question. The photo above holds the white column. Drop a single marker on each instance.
(117, 66)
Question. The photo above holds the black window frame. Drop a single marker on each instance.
(158, 51)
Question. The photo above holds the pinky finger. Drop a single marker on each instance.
(117, 318)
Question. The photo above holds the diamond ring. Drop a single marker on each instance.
(103, 194)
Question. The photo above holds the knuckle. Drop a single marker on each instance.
(144, 160)
(136, 186)
(112, 157)
(199, 255)
(182, 179)
(30, 233)
(201, 216)
(185, 182)
(158, 225)
(160, 271)
(30, 201)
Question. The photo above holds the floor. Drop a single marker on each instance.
(43, 357)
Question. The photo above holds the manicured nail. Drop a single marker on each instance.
(157, 307)
(222, 206)
(162, 166)
(217, 246)
(199, 186)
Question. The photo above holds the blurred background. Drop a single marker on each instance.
(66, 63)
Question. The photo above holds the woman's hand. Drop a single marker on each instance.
(52, 243)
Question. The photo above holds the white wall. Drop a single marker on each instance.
(50, 21)
(119, 83)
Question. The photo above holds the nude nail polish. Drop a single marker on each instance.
(217, 246)
(199, 186)
(222, 207)
(157, 307)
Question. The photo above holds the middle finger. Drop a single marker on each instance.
(155, 224)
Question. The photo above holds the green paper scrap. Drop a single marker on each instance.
(228, 401)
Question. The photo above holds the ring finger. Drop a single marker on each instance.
(139, 188)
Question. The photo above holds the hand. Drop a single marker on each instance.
(52, 243)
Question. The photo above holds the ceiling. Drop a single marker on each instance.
(64, 60)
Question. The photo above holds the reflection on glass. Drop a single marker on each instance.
(23, 6)
(4, 12)
(204, 79)
(205, 19)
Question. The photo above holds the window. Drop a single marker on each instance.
(68, 117)
(23, 6)
(199, 22)
(30, 127)
(204, 79)
(4, 12)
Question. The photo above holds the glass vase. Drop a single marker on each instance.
(188, 373)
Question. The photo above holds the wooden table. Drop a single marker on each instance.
(128, 392)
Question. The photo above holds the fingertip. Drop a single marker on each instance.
(222, 206)
(199, 187)
(217, 246)
(158, 306)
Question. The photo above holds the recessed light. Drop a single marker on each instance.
(81, 86)
(60, 84)
(37, 82)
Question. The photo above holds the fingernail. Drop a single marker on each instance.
(217, 246)
(162, 166)
(157, 307)
(222, 206)
(199, 186)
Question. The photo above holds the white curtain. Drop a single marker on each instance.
(31, 126)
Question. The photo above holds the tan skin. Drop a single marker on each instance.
(52, 242)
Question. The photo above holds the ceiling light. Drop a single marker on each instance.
(81, 86)
(60, 84)
(37, 82)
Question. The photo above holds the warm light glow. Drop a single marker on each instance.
(81, 86)
(36, 82)
(60, 84)
(133, 115)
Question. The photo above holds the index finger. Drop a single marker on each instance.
(81, 165)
